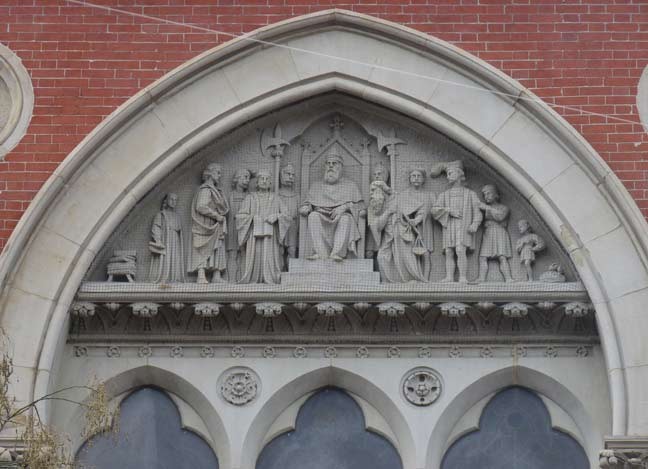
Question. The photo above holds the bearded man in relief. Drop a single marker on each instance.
(334, 208)
(209, 211)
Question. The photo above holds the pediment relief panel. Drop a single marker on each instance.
(333, 199)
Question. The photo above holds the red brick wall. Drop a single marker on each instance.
(85, 62)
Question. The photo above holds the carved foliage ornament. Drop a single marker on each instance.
(453, 310)
(239, 386)
(269, 310)
(207, 310)
(83, 309)
(330, 309)
(391, 310)
(145, 310)
(421, 386)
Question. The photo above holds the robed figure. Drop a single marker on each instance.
(240, 184)
(392, 222)
(415, 205)
(167, 250)
(262, 223)
(290, 198)
(209, 227)
(334, 207)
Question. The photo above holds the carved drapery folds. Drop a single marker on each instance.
(335, 190)
(273, 232)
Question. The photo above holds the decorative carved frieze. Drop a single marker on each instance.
(453, 310)
(83, 309)
(577, 310)
(624, 453)
(207, 310)
(145, 310)
(330, 309)
(413, 351)
(380, 321)
(391, 310)
(515, 310)
(269, 310)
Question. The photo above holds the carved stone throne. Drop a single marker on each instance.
(354, 269)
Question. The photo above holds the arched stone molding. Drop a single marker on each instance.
(469, 422)
(194, 407)
(642, 98)
(564, 179)
(490, 384)
(16, 100)
(305, 384)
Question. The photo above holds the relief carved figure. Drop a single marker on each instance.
(393, 225)
(380, 173)
(261, 223)
(290, 199)
(458, 211)
(415, 205)
(527, 246)
(235, 257)
(334, 207)
(166, 246)
(496, 243)
(209, 210)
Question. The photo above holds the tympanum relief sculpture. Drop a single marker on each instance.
(332, 195)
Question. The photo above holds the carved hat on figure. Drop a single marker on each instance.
(334, 156)
(380, 172)
(448, 166)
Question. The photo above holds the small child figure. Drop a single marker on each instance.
(527, 246)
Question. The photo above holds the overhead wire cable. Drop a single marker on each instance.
(247, 37)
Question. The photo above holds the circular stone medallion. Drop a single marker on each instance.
(421, 386)
(239, 385)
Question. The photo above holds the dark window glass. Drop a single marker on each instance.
(329, 434)
(150, 437)
(515, 432)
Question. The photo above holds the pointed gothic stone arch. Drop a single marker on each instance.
(303, 386)
(494, 382)
(559, 173)
(195, 410)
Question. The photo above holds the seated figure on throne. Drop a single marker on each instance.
(334, 207)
